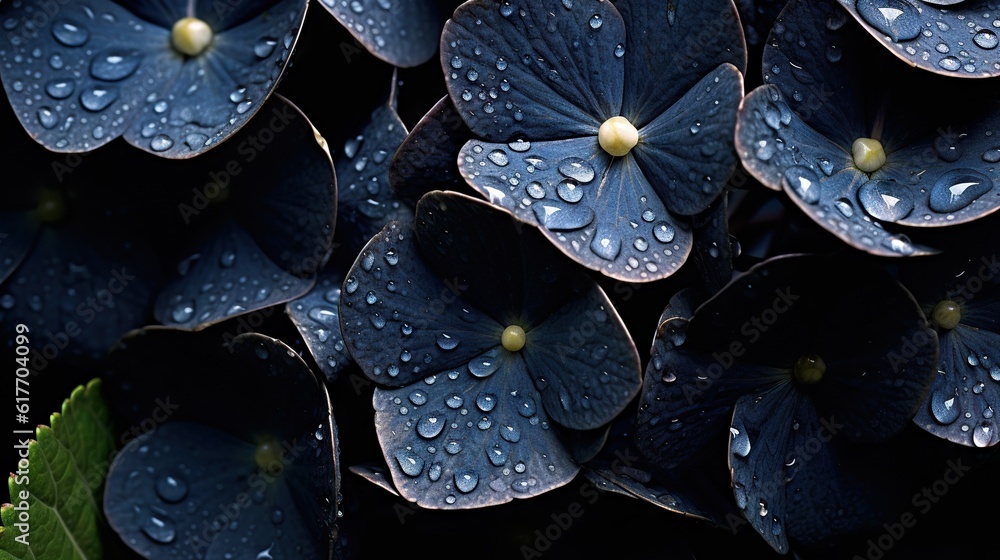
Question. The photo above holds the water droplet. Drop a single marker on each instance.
(944, 407)
(763, 508)
(501, 64)
(663, 232)
(161, 143)
(434, 472)
(454, 401)
(577, 169)
(485, 365)
(466, 480)
(499, 157)
(115, 66)
(803, 182)
(896, 18)
(740, 443)
(950, 63)
(47, 118)
(70, 33)
(183, 312)
(265, 47)
(277, 516)
(486, 401)
(958, 188)
(510, 433)
(569, 191)
(430, 426)
(411, 463)
(159, 529)
(986, 39)
(535, 190)
(606, 247)
(886, 200)
(619, 50)
(171, 489)
(596, 21)
(98, 98)
(60, 89)
(985, 434)
(446, 342)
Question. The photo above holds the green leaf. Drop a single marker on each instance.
(62, 485)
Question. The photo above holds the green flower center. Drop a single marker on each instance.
(191, 36)
(947, 314)
(51, 206)
(513, 338)
(869, 156)
(617, 136)
(267, 455)
(809, 369)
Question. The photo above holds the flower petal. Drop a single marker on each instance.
(686, 151)
(457, 440)
(584, 362)
(670, 48)
(403, 33)
(541, 69)
(317, 317)
(599, 210)
(401, 321)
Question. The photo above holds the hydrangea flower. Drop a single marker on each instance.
(802, 377)
(174, 78)
(604, 125)
(253, 474)
(488, 348)
(844, 129)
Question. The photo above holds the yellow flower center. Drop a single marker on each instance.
(947, 314)
(809, 369)
(869, 156)
(191, 36)
(513, 338)
(617, 136)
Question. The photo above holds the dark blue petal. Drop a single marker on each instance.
(457, 440)
(226, 275)
(599, 210)
(782, 151)
(20, 229)
(688, 396)
(82, 286)
(957, 41)
(426, 159)
(671, 46)
(770, 428)
(541, 69)
(401, 321)
(366, 202)
(963, 398)
(403, 33)
(713, 246)
(583, 362)
(686, 151)
(317, 317)
(502, 267)
(285, 189)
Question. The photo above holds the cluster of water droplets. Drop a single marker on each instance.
(441, 421)
(965, 399)
(227, 286)
(365, 171)
(962, 40)
(560, 196)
